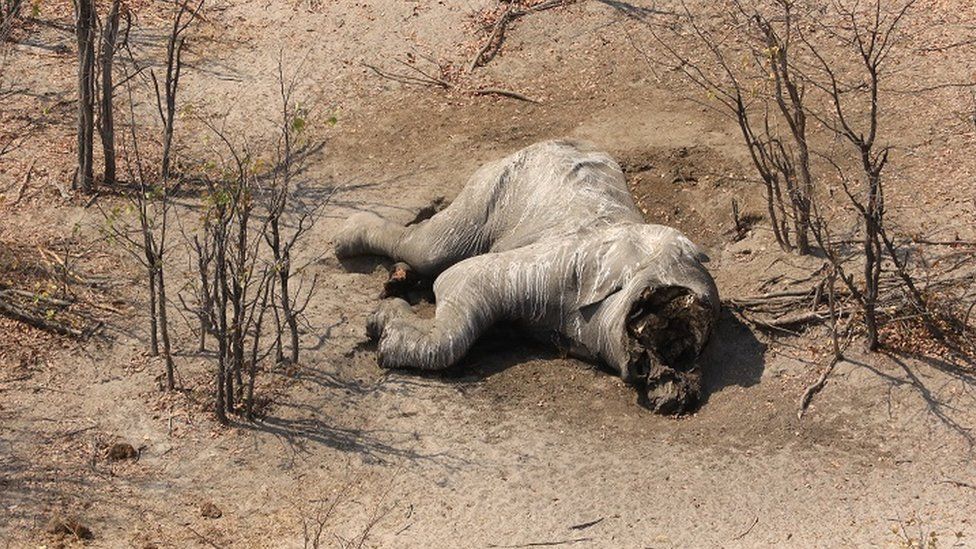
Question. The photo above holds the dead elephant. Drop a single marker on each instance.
(549, 237)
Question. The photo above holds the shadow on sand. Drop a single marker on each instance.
(733, 357)
(942, 401)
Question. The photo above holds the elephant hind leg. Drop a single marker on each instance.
(432, 245)
(428, 247)
(366, 233)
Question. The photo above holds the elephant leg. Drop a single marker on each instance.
(465, 309)
(429, 247)
(366, 233)
(443, 240)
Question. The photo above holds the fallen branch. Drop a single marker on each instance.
(108, 308)
(425, 79)
(504, 93)
(79, 430)
(948, 46)
(751, 526)
(23, 186)
(958, 483)
(950, 243)
(496, 32)
(784, 322)
(410, 80)
(497, 35)
(9, 309)
(585, 525)
(794, 319)
(202, 538)
(435, 79)
(776, 295)
(61, 263)
(35, 297)
(541, 543)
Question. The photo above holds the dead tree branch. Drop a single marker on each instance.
(426, 79)
(511, 12)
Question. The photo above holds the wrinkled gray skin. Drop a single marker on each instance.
(551, 238)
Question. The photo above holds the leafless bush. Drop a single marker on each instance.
(184, 14)
(150, 201)
(146, 240)
(775, 68)
(742, 59)
(233, 279)
(316, 516)
(871, 34)
(291, 302)
(244, 254)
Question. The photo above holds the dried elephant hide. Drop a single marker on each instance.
(549, 237)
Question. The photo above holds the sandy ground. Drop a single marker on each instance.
(518, 446)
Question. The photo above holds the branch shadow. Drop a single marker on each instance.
(633, 11)
(34, 486)
(374, 446)
(323, 337)
(937, 404)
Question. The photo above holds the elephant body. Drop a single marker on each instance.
(549, 237)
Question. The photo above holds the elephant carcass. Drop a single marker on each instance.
(549, 237)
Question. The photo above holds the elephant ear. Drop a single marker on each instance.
(602, 269)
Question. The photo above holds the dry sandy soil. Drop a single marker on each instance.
(516, 447)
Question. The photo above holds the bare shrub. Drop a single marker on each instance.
(146, 239)
(871, 33)
(184, 14)
(243, 254)
(742, 60)
(290, 153)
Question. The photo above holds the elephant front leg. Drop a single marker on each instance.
(464, 310)
(428, 247)
(386, 312)
(409, 341)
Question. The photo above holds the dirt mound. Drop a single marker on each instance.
(683, 187)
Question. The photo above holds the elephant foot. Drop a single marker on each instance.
(351, 240)
(386, 312)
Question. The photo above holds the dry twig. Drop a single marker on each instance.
(497, 36)
(423, 78)
(23, 186)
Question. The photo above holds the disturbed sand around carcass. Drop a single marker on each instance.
(518, 445)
